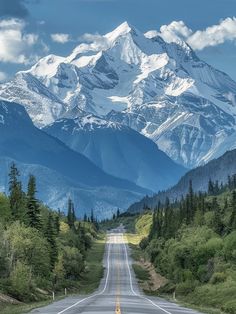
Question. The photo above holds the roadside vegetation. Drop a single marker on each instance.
(44, 251)
(192, 243)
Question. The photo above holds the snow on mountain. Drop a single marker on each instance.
(118, 150)
(163, 90)
(60, 171)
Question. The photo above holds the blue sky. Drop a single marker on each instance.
(31, 35)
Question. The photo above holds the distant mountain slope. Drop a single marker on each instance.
(163, 90)
(216, 170)
(20, 140)
(118, 150)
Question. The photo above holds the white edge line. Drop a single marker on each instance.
(97, 294)
(131, 283)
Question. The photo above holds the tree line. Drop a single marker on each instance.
(40, 249)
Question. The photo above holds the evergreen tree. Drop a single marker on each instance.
(118, 213)
(92, 216)
(217, 223)
(232, 222)
(51, 238)
(85, 217)
(15, 192)
(57, 224)
(210, 187)
(33, 211)
(70, 214)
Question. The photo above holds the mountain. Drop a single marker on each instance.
(118, 150)
(61, 172)
(217, 170)
(162, 90)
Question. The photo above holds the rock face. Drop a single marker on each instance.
(162, 90)
(61, 172)
(118, 150)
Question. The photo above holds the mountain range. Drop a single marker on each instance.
(162, 90)
(119, 118)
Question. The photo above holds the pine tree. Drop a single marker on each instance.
(232, 222)
(70, 214)
(85, 217)
(217, 223)
(15, 192)
(92, 216)
(51, 238)
(210, 187)
(33, 211)
(57, 224)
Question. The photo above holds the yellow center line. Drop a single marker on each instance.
(118, 310)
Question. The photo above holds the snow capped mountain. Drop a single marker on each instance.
(118, 150)
(60, 171)
(163, 90)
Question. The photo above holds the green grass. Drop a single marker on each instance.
(91, 278)
(141, 273)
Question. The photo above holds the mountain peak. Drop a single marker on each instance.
(123, 29)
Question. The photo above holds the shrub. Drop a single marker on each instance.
(21, 281)
(217, 278)
(186, 287)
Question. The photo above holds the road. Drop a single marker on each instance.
(118, 292)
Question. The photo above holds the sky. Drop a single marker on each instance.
(31, 29)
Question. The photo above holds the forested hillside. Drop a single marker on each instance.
(217, 170)
(192, 242)
(40, 250)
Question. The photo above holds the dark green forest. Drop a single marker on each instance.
(41, 250)
(192, 242)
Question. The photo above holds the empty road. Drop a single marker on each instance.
(118, 292)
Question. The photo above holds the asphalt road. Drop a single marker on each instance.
(118, 292)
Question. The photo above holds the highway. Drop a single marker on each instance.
(118, 292)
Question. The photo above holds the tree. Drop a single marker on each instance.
(210, 187)
(92, 216)
(71, 214)
(15, 192)
(33, 211)
(217, 223)
(50, 235)
(232, 221)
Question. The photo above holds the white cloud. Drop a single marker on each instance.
(211, 36)
(60, 38)
(175, 31)
(214, 35)
(16, 45)
(3, 76)
(97, 41)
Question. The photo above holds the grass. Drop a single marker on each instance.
(91, 278)
(21, 308)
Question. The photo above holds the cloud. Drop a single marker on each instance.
(211, 36)
(214, 35)
(175, 31)
(16, 45)
(97, 41)
(60, 38)
(3, 76)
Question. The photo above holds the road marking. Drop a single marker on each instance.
(97, 294)
(118, 310)
(131, 283)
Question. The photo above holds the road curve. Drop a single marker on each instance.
(118, 292)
